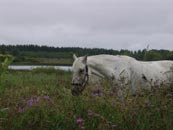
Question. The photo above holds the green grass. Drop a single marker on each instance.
(41, 100)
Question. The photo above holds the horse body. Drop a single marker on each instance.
(108, 66)
(126, 72)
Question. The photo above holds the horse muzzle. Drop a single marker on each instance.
(76, 84)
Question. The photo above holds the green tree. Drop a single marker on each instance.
(153, 56)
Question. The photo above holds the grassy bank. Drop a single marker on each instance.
(43, 61)
(41, 100)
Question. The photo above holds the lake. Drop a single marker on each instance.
(30, 67)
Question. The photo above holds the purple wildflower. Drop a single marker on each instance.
(37, 99)
(90, 112)
(81, 123)
(80, 120)
(111, 93)
(46, 97)
(102, 94)
(169, 95)
(21, 110)
(30, 102)
(97, 115)
(95, 94)
(114, 126)
(82, 127)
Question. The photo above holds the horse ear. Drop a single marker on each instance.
(74, 57)
(84, 60)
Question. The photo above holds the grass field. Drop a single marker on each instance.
(41, 100)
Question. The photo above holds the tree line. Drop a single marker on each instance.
(66, 52)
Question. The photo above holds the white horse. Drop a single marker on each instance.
(126, 73)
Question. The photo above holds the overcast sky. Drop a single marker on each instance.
(116, 24)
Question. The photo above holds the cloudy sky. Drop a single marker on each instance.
(116, 24)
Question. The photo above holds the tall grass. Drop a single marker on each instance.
(41, 100)
(5, 60)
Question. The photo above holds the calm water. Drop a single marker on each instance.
(30, 67)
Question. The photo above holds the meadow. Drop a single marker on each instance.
(41, 100)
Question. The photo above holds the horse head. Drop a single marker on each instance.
(80, 75)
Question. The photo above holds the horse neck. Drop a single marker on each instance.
(98, 68)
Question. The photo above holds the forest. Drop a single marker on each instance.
(35, 54)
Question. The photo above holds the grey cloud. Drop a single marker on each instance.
(117, 24)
